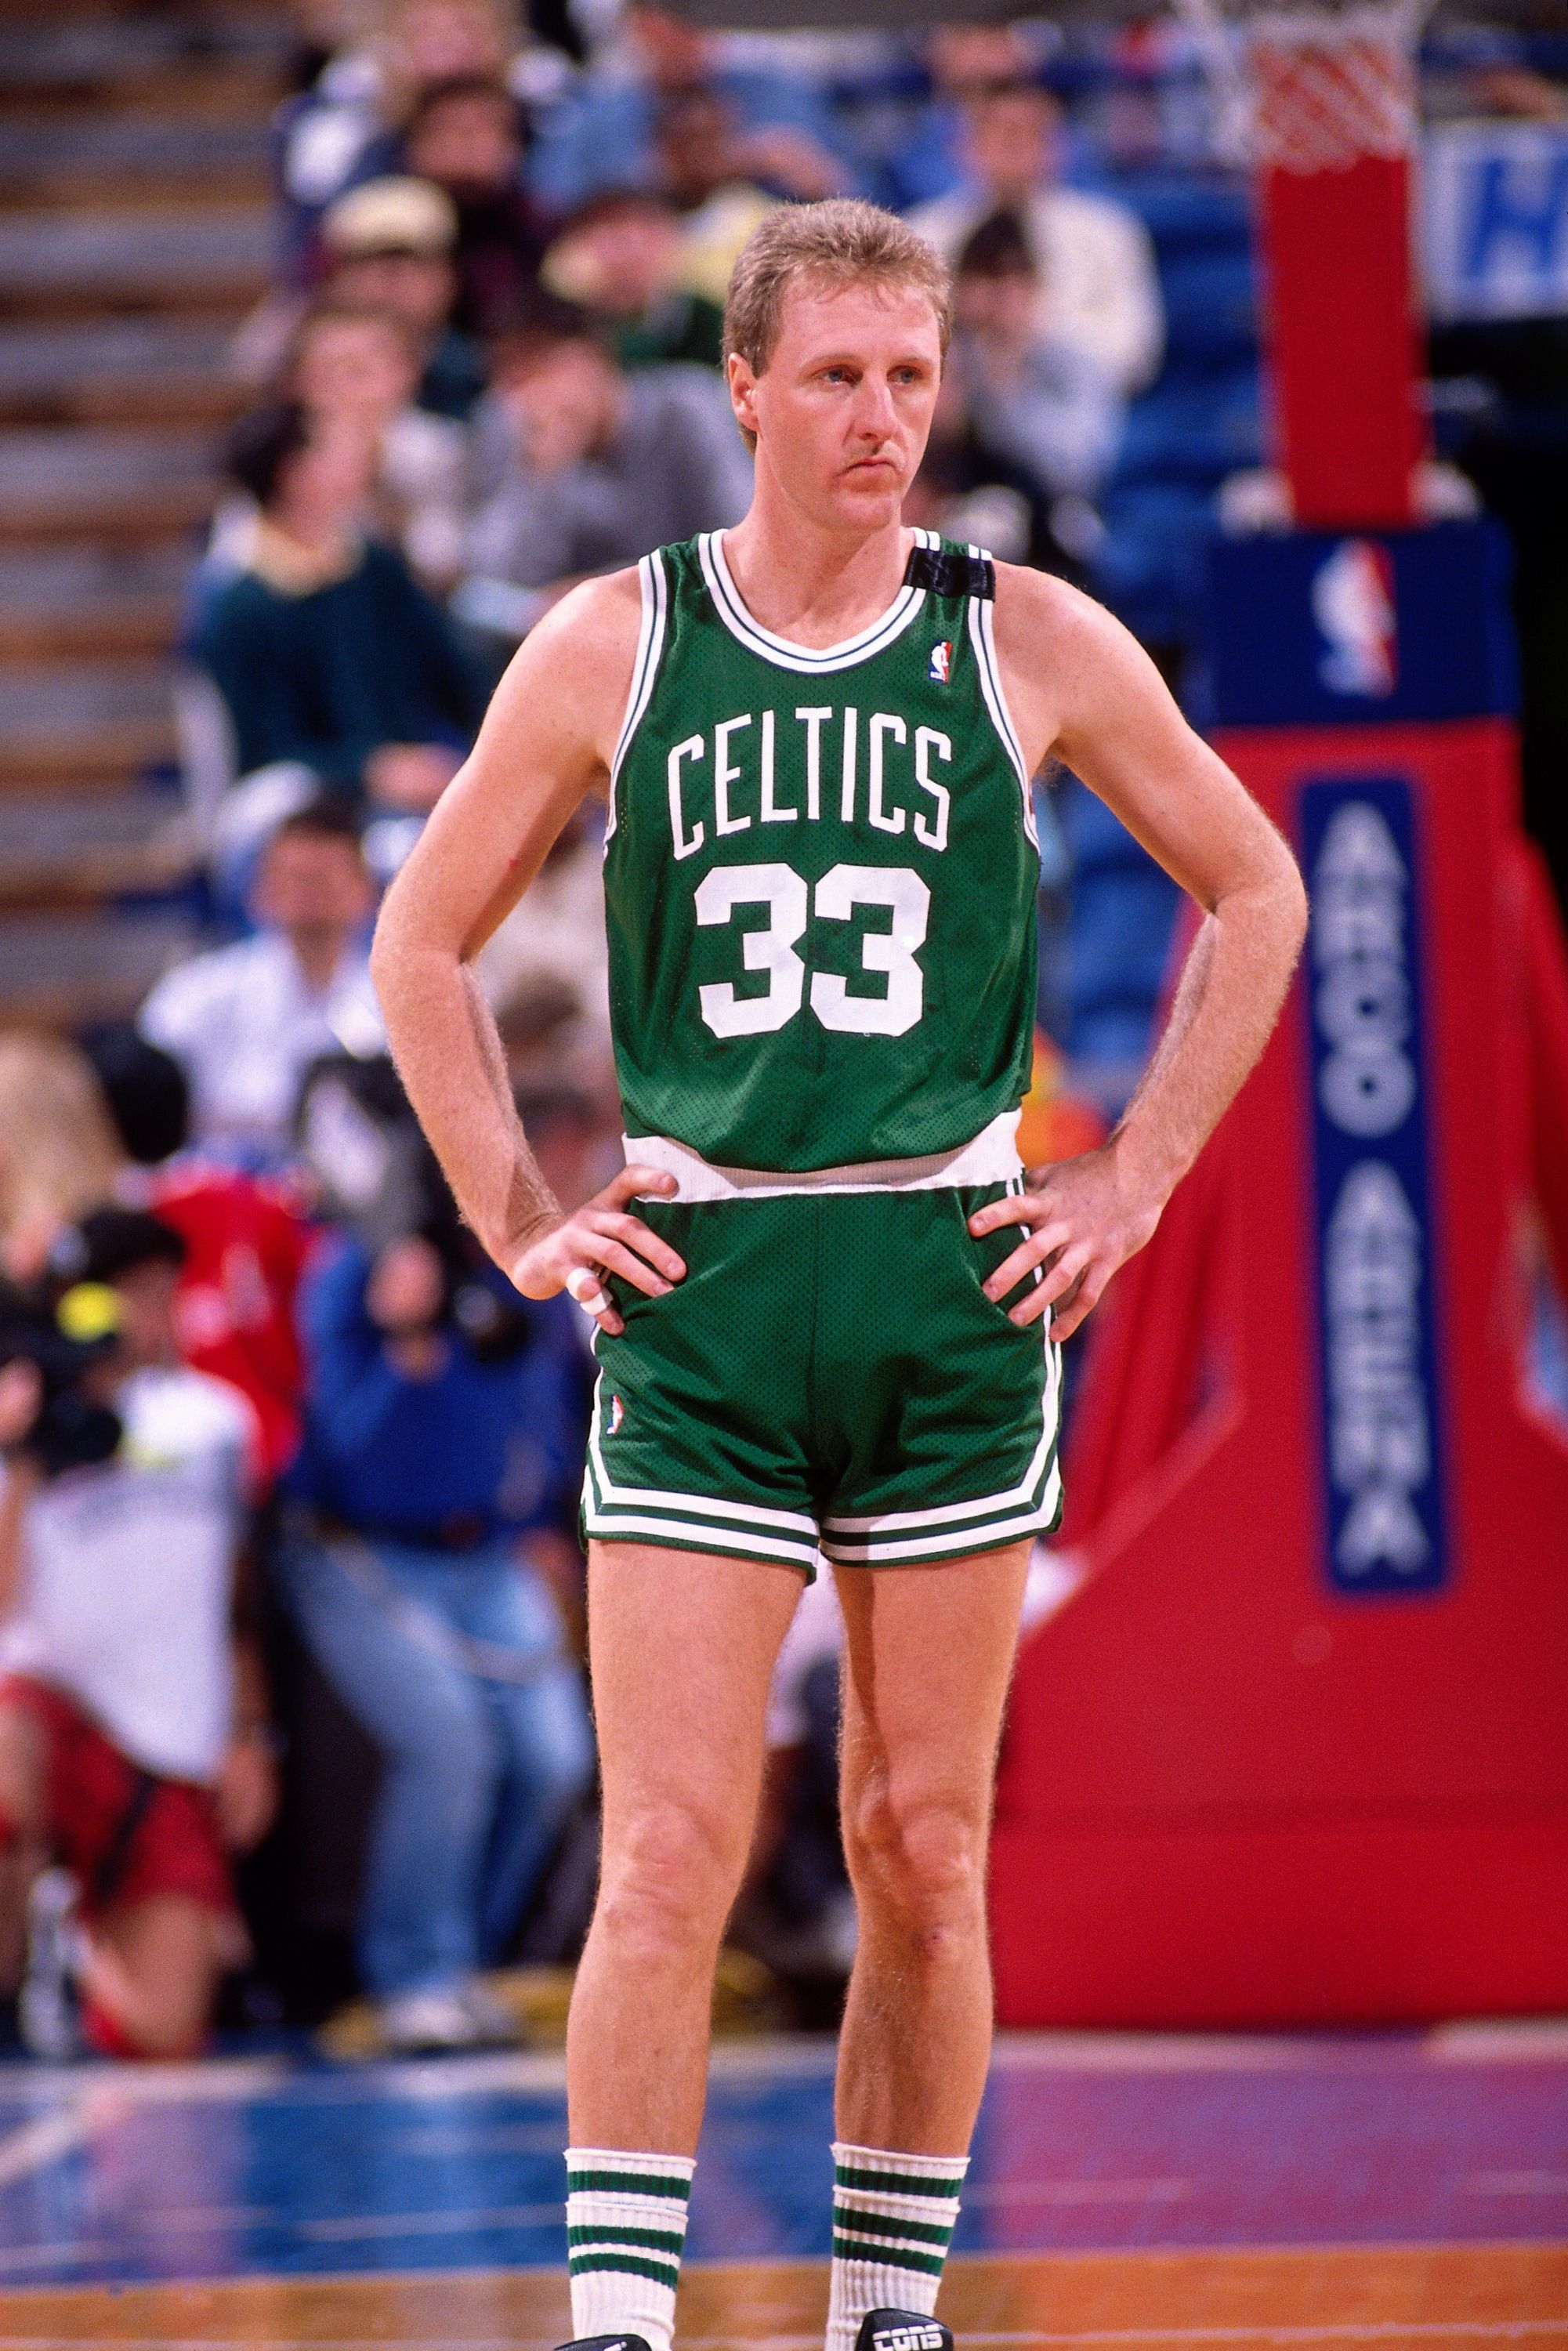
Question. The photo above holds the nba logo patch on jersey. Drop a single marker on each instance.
(617, 1414)
(942, 661)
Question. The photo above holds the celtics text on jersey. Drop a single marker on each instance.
(821, 873)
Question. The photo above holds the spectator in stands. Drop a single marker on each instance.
(247, 1239)
(337, 670)
(621, 125)
(962, 61)
(244, 1022)
(414, 1583)
(587, 467)
(1033, 400)
(389, 246)
(133, 1730)
(545, 969)
(622, 258)
(343, 128)
(1099, 293)
(360, 367)
(466, 137)
(59, 1154)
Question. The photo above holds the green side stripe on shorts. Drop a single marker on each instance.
(625, 2183)
(650, 2240)
(633, 2265)
(878, 2224)
(895, 2183)
(893, 2257)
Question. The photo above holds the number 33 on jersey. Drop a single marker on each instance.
(819, 875)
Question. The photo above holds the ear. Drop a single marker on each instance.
(743, 392)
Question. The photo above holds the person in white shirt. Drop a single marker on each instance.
(1099, 292)
(244, 1022)
(133, 1741)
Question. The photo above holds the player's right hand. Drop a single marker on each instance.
(601, 1238)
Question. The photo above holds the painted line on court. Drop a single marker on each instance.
(34, 2145)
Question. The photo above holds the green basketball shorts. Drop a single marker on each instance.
(829, 1375)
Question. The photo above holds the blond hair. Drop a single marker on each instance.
(840, 242)
(59, 1153)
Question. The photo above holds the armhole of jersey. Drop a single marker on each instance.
(982, 637)
(644, 669)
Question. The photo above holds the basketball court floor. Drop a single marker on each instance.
(1127, 2189)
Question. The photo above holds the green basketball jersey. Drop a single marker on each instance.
(819, 875)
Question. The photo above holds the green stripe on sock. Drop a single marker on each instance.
(651, 2240)
(880, 2224)
(662, 2273)
(896, 2183)
(892, 2257)
(625, 2183)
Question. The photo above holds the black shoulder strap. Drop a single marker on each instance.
(946, 573)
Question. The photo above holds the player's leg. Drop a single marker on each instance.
(151, 1975)
(681, 1650)
(928, 1658)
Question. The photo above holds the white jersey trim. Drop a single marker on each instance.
(982, 636)
(809, 660)
(991, 1157)
(652, 580)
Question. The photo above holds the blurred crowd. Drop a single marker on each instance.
(290, 1582)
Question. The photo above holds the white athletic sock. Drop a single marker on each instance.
(625, 2227)
(893, 2220)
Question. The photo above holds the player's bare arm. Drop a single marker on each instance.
(1084, 692)
(546, 741)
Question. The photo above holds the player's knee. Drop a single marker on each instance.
(918, 1861)
(669, 1876)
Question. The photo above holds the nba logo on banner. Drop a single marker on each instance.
(1381, 1425)
(942, 661)
(1353, 607)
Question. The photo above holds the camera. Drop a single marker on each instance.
(64, 1337)
(356, 1132)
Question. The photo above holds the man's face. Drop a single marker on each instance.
(418, 287)
(843, 407)
(1012, 139)
(468, 144)
(310, 885)
(354, 364)
(146, 1295)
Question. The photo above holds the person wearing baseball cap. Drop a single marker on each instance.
(389, 245)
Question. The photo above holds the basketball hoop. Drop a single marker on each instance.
(1310, 88)
(1321, 100)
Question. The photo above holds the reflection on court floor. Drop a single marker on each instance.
(1124, 2190)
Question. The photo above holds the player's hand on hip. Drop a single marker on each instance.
(1083, 1218)
(601, 1238)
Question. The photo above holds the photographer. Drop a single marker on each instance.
(133, 1742)
(438, 1468)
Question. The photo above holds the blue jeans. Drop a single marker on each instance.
(457, 1667)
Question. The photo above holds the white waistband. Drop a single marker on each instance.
(990, 1158)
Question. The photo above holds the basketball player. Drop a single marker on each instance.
(832, 1322)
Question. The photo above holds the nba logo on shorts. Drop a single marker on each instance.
(617, 1414)
(1352, 604)
(941, 661)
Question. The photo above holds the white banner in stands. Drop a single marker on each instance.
(1495, 219)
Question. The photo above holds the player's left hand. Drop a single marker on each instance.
(1084, 1217)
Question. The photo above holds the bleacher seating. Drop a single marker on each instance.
(134, 233)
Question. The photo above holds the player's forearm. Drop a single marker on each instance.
(20, 1484)
(1227, 1002)
(448, 1053)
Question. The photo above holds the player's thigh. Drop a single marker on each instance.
(928, 1657)
(682, 1646)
